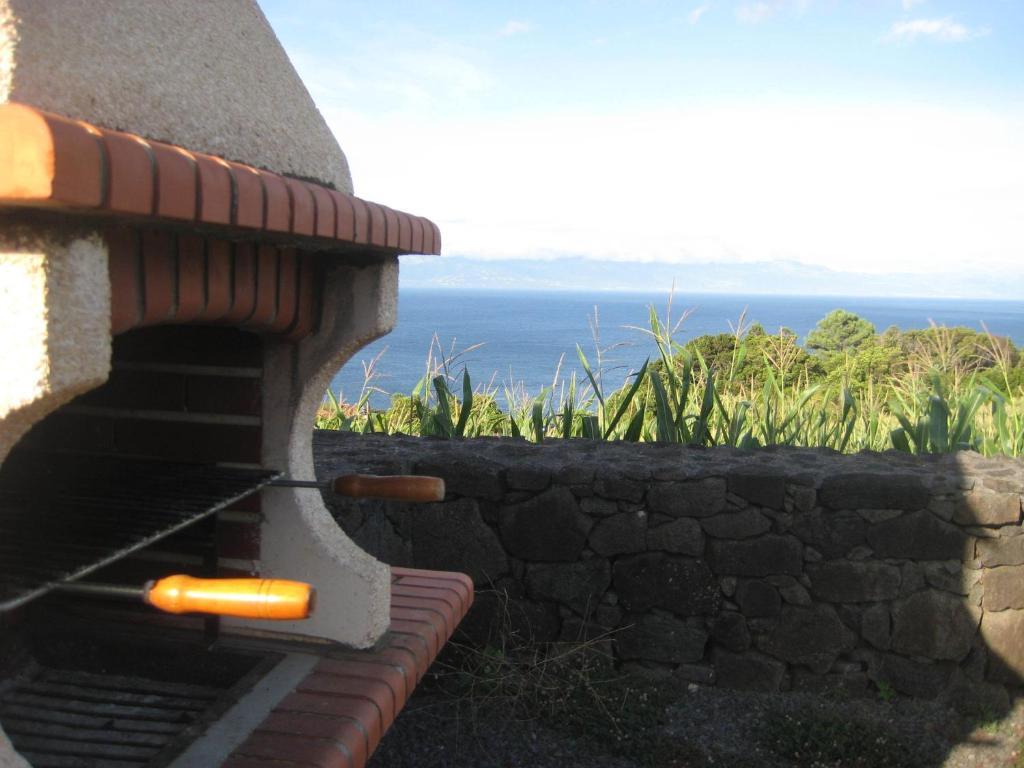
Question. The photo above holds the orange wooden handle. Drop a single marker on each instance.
(398, 487)
(246, 598)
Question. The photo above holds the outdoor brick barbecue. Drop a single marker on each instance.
(171, 319)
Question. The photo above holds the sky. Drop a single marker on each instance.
(862, 136)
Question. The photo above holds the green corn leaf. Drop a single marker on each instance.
(666, 427)
(637, 381)
(467, 404)
(590, 375)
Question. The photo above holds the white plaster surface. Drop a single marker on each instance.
(209, 75)
(54, 323)
(300, 539)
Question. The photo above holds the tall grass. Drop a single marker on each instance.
(941, 400)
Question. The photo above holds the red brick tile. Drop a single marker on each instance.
(459, 581)
(350, 686)
(450, 599)
(428, 235)
(191, 278)
(393, 227)
(231, 395)
(324, 753)
(303, 208)
(279, 202)
(176, 188)
(216, 190)
(287, 291)
(305, 315)
(423, 630)
(445, 614)
(437, 237)
(362, 221)
(362, 711)
(266, 288)
(130, 165)
(160, 274)
(404, 232)
(414, 645)
(125, 278)
(325, 215)
(240, 541)
(79, 164)
(417, 234)
(244, 282)
(346, 221)
(389, 674)
(343, 731)
(434, 621)
(378, 234)
(218, 280)
(249, 202)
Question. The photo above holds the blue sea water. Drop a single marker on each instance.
(523, 335)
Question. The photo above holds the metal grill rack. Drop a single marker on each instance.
(63, 517)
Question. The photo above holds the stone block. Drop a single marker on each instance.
(549, 527)
(683, 536)
(764, 556)
(950, 576)
(1004, 588)
(747, 671)
(874, 490)
(987, 508)
(578, 585)
(736, 525)
(660, 638)
(831, 533)
(1002, 632)
(843, 685)
(804, 498)
(918, 536)
(915, 678)
(875, 626)
(619, 534)
(841, 581)
(619, 488)
(700, 498)
(730, 631)
(454, 537)
(766, 489)
(595, 506)
(934, 625)
(527, 477)
(469, 476)
(813, 637)
(758, 600)
(656, 580)
(1009, 551)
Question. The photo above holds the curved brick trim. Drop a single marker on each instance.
(158, 277)
(337, 715)
(49, 161)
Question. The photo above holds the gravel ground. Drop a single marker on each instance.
(709, 728)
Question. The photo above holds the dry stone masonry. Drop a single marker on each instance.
(772, 570)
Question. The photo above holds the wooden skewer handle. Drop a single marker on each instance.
(397, 487)
(247, 598)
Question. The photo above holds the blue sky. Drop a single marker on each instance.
(872, 136)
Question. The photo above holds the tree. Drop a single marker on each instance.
(840, 331)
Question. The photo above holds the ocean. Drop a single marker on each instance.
(517, 338)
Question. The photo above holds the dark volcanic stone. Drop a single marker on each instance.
(994, 552)
(454, 537)
(871, 490)
(698, 498)
(812, 636)
(915, 678)
(758, 600)
(765, 556)
(682, 536)
(981, 508)
(918, 536)
(831, 533)
(548, 527)
(766, 489)
(935, 625)
(656, 580)
(619, 534)
(660, 638)
(747, 671)
(464, 475)
(730, 631)
(876, 628)
(842, 581)
(578, 585)
(736, 525)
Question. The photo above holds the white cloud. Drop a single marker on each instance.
(945, 30)
(697, 12)
(513, 27)
(873, 189)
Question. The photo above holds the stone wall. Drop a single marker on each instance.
(773, 570)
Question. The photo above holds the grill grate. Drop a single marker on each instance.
(62, 517)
